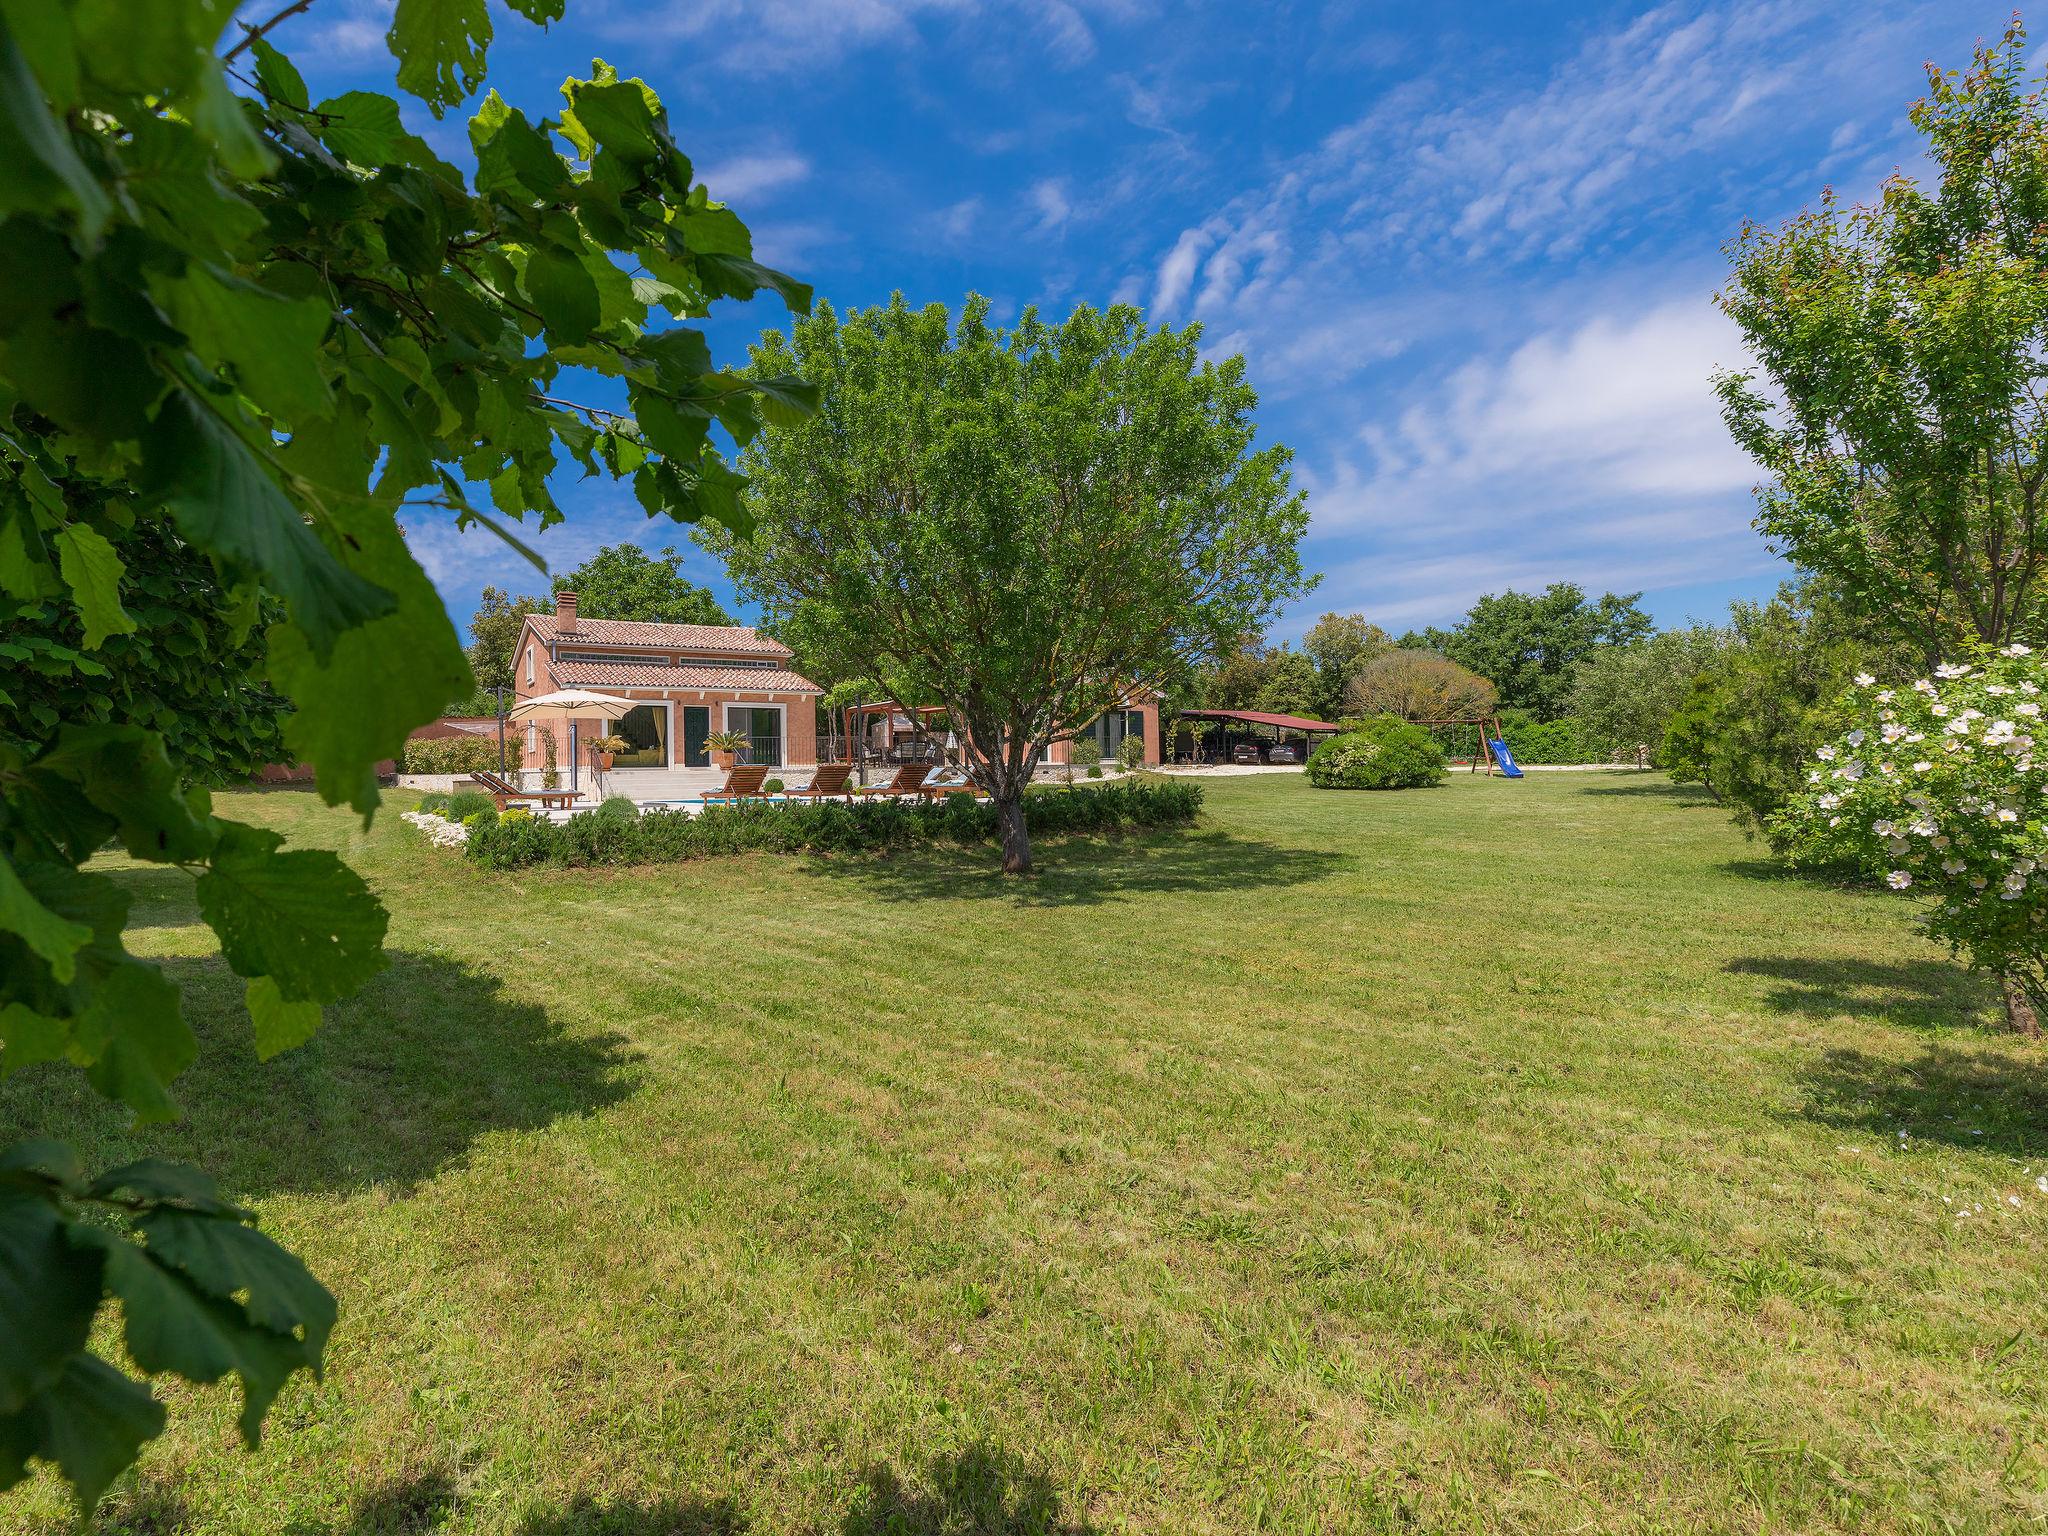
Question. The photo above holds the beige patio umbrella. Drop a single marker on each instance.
(569, 704)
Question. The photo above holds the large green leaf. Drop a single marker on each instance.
(272, 342)
(93, 572)
(135, 1039)
(564, 292)
(361, 126)
(91, 1424)
(279, 1022)
(123, 772)
(233, 1262)
(38, 167)
(55, 939)
(49, 1291)
(171, 1325)
(440, 46)
(303, 919)
(226, 502)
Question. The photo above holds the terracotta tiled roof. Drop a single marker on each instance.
(735, 639)
(632, 674)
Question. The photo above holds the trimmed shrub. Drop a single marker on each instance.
(465, 803)
(1377, 754)
(869, 826)
(771, 786)
(1130, 753)
(451, 754)
(619, 808)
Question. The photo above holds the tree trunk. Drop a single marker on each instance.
(1016, 837)
(2020, 1015)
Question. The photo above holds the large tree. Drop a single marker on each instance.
(260, 325)
(1528, 644)
(494, 635)
(1260, 676)
(1018, 524)
(1900, 398)
(1341, 645)
(1419, 685)
(623, 581)
(1625, 695)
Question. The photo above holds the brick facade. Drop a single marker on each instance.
(675, 669)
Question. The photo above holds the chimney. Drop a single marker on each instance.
(565, 611)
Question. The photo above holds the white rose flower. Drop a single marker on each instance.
(1898, 879)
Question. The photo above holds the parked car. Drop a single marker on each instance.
(1245, 752)
(1283, 752)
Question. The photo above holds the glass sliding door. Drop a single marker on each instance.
(762, 726)
(646, 733)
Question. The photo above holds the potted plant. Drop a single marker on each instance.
(725, 748)
(607, 748)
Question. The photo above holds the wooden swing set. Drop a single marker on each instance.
(1488, 730)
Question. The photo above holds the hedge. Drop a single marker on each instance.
(757, 826)
(451, 754)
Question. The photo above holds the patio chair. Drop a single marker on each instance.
(908, 781)
(742, 783)
(502, 792)
(829, 782)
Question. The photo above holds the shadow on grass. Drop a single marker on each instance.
(982, 1490)
(398, 1083)
(157, 897)
(1921, 993)
(1656, 787)
(1989, 1103)
(1076, 871)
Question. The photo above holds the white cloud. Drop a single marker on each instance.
(749, 178)
(1049, 197)
(1592, 452)
(1177, 271)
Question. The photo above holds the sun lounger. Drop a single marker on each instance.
(908, 781)
(829, 782)
(942, 782)
(743, 783)
(503, 792)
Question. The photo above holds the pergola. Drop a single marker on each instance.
(1275, 727)
(855, 717)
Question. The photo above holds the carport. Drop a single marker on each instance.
(1219, 731)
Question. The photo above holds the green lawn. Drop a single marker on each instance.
(1509, 1157)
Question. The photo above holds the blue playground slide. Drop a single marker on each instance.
(1505, 758)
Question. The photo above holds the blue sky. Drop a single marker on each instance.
(1467, 250)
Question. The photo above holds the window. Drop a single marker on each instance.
(529, 666)
(762, 726)
(532, 731)
(633, 658)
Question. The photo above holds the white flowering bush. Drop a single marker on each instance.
(1940, 789)
(441, 832)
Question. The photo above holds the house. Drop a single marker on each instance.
(694, 678)
(1137, 716)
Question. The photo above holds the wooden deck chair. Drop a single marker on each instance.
(743, 783)
(829, 782)
(954, 782)
(502, 792)
(909, 779)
